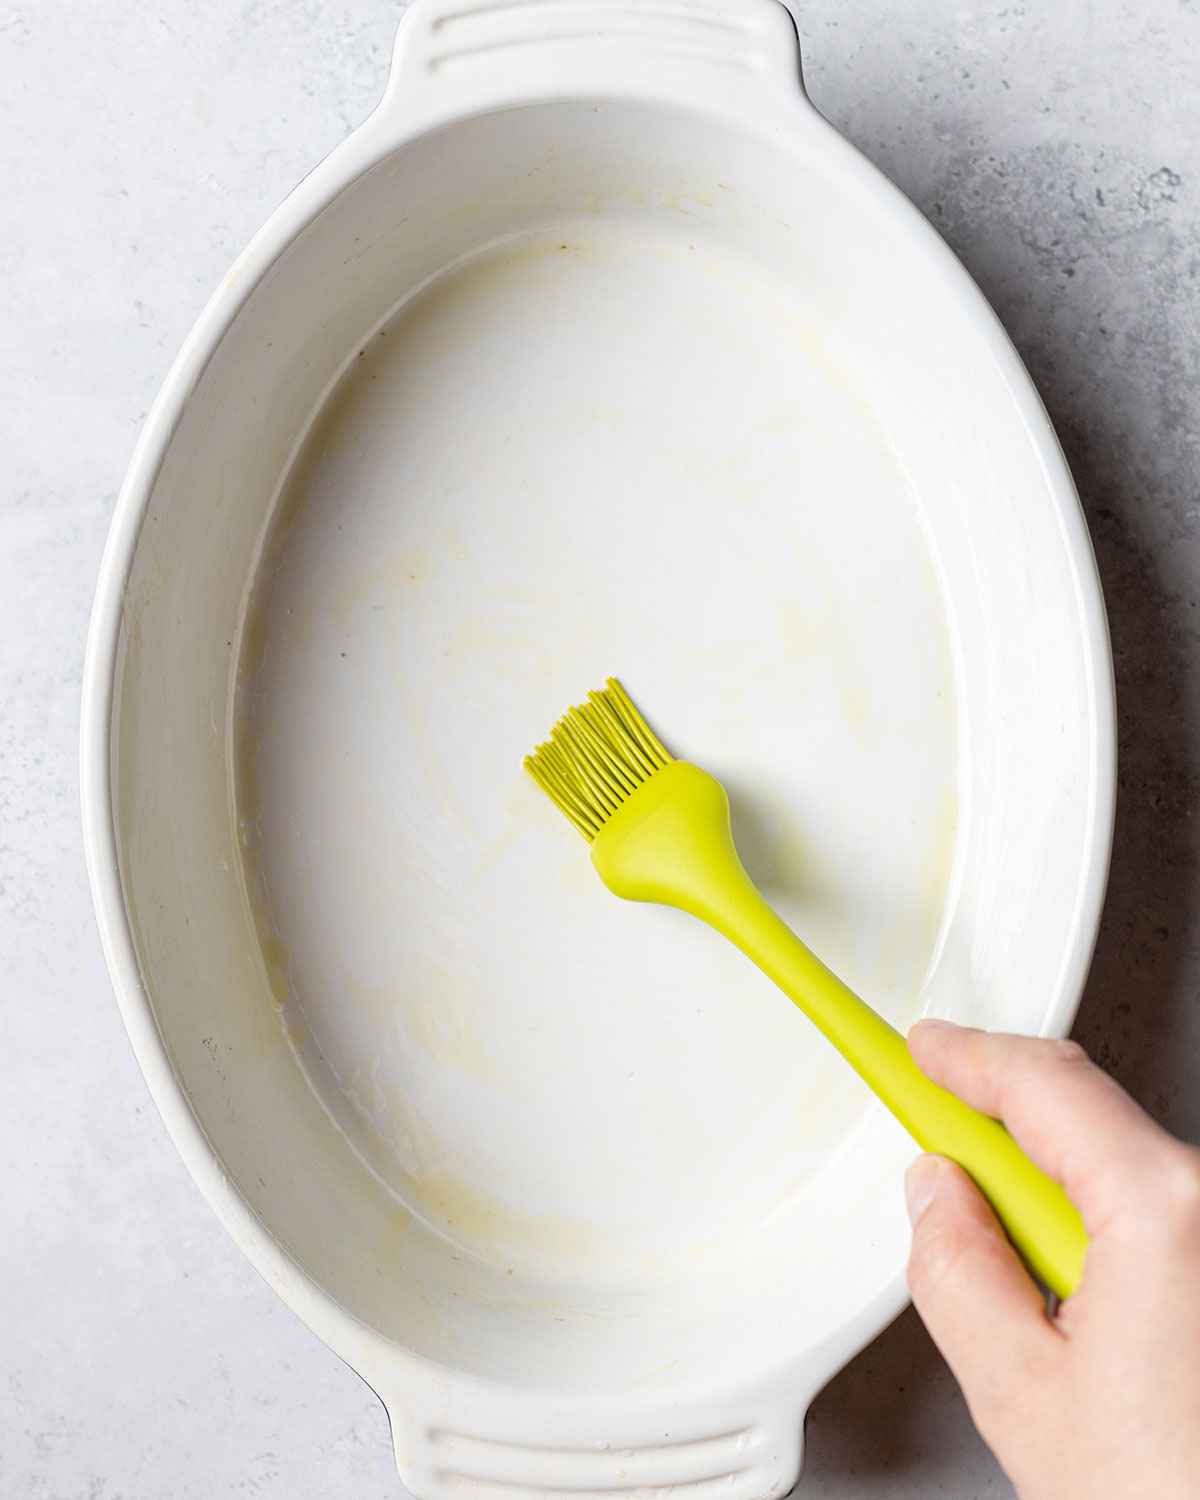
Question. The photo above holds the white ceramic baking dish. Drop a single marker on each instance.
(594, 350)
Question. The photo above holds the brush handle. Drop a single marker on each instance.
(1039, 1218)
(671, 842)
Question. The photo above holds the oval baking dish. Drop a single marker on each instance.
(593, 350)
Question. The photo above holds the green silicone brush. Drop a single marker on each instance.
(659, 830)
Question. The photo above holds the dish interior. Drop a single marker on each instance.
(597, 448)
(572, 391)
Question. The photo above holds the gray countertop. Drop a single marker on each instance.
(1058, 150)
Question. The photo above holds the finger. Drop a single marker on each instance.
(979, 1303)
(1071, 1118)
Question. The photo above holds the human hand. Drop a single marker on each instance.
(1102, 1400)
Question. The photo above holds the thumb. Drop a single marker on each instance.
(979, 1303)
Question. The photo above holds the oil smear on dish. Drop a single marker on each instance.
(552, 1079)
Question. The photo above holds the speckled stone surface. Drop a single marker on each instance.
(1056, 147)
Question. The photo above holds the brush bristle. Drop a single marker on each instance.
(597, 756)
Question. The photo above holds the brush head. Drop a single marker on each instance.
(598, 754)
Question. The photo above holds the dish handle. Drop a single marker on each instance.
(458, 57)
(527, 1450)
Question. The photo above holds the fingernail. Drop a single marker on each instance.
(921, 1183)
(933, 1023)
